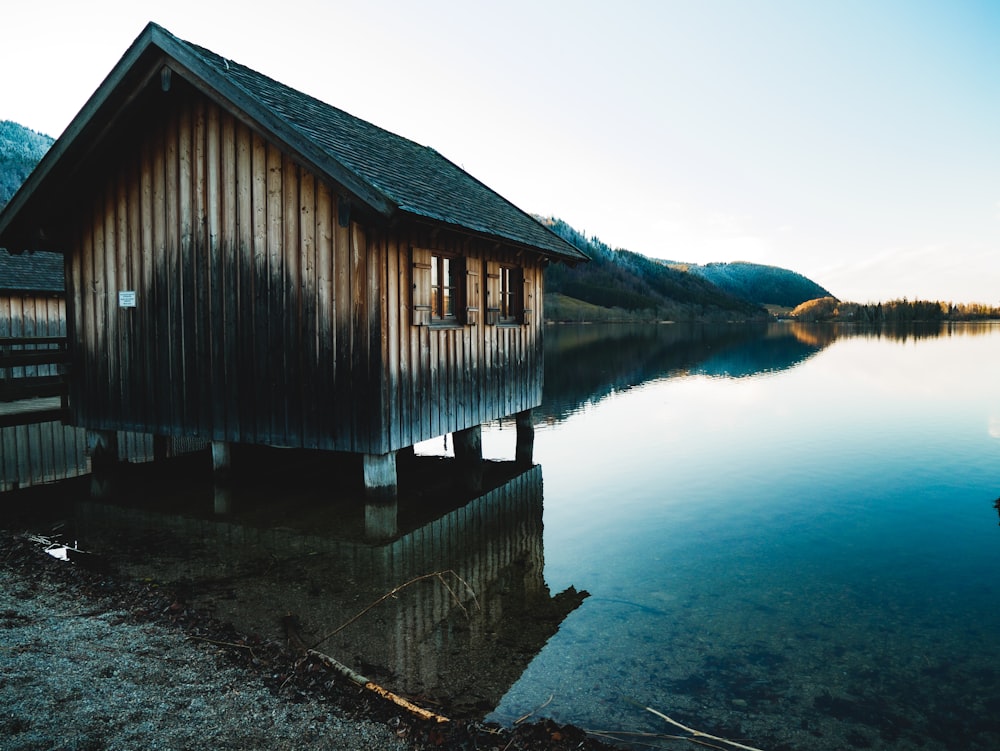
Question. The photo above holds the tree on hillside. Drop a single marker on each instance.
(20, 150)
(642, 286)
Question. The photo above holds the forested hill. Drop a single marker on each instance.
(626, 285)
(767, 285)
(20, 150)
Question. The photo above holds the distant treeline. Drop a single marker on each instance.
(894, 311)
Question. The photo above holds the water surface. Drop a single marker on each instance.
(776, 533)
(788, 535)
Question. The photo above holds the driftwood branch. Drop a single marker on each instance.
(364, 682)
(697, 734)
(539, 708)
(360, 680)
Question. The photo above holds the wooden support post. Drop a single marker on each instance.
(405, 455)
(381, 496)
(524, 452)
(161, 445)
(222, 499)
(222, 459)
(102, 445)
(468, 445)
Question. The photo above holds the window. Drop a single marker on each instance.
(445, 289)
(508, 295)
(508, 299)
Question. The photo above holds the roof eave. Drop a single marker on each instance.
(572, 256)
(144, 59)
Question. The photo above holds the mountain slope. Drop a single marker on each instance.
(765, 285)
(638, 286)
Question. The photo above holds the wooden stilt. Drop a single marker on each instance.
(381, 492)
(102, 445)
(469, 445)
(405, 454)
(381, 520)
(222, 460)
(222, 499)
(524, 452)
(161, 444)
(380, 476)
(469, 455)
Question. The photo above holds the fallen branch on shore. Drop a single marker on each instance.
(360, 680)
(539, 708)
(364, 682)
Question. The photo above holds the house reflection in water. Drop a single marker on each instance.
(463, 644)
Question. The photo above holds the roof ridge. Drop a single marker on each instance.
(383, 170)
(317, 130)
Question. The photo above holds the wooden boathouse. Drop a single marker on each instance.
(247, 264)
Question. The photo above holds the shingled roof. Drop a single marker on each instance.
(389, 174)
(31, 272)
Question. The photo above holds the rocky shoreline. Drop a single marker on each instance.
(89, 661)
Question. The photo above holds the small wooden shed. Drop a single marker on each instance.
(32, 291)
(245, 263)
(32, 316)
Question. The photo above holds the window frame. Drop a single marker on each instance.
(445, 264)
(508, 297)
(428, 294)
(507, 294)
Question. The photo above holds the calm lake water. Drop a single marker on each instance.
(788, 534)
(782, 534)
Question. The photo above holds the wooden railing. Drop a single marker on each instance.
(32, 367)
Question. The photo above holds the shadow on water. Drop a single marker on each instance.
(295, 554)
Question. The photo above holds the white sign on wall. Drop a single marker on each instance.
(126, 298)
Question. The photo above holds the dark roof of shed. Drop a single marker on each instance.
(388, 173)
(31, 272)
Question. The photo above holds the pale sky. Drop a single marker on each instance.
(857, 143)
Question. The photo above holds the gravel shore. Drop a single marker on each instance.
(89, 662)
(80, 672)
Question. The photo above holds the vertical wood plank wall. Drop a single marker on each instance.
(28, 315)
(229, 247)
(45, 452)
(258, 317)
(440, 380)
(40, 452)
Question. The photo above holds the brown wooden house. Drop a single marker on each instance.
(245, 263)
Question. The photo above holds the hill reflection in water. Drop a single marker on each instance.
(584, 364)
